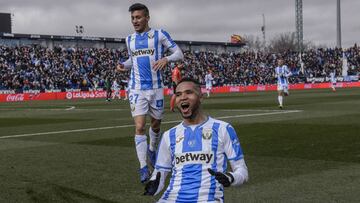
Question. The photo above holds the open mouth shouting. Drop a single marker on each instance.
(185, 108)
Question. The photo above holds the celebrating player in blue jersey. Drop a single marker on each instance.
(197, 151)
(146, 48)
(282, 73)
(333, 80)
(208, 82)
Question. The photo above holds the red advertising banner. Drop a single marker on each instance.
(224, 89)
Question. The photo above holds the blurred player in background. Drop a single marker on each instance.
(108, 88)
(333, 80)
(116, 89)
(176, 77)
(146, 61)
(282, 73)
(197, 151)
(208, 82)
(125, 85)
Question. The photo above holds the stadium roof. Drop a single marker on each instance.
(106, 39)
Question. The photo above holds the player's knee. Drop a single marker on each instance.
(155, 126)
(155, 130)
(140, 131)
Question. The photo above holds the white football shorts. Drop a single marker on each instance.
(144, 102)
(208, 86)
(282, 87)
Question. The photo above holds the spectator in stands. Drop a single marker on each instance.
(37, 68)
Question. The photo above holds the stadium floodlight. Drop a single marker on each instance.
(299, 24)
(263, 30)
(338, 23)
(79, 29)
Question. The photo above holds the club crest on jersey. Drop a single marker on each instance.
(207, 133)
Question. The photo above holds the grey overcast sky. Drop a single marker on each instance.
(196, 20)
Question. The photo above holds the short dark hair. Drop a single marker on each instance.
(188, 79)
(139, 7)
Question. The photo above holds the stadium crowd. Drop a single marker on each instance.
(38, 68)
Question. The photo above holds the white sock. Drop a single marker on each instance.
(141, 149)
(154, 139)
(280, 99)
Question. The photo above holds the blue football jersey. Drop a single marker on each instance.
(144, 50)
(282, 73)
(188, 151)
(208, 79)
(333, 77)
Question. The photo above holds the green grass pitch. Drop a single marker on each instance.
(83, 150)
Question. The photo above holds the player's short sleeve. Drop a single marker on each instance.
(232, 146)
(166, 40)
(163, 160)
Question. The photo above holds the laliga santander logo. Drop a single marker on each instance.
(307, 86)
(85, 95)
(261, 88)
(234, 89)
(69, 95)
(15, 97)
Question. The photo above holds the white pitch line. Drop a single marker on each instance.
(70, 108)
(260, 114)
(73, 108)
(126, 126)
(66, 131)
(101, 109)
(261, 110)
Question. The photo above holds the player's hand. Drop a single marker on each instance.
(120, 68)
(224, 178)
(152, 186)
(160, 64)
